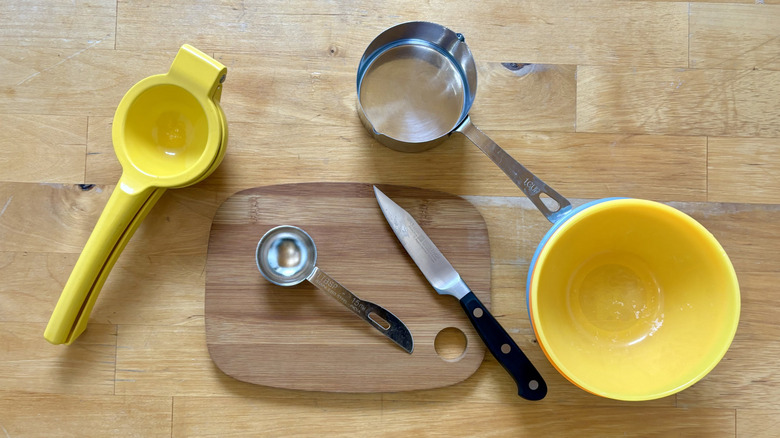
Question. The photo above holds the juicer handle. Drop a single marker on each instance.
(532, 186)
(120, 218)
(200, 71)
(530, 384)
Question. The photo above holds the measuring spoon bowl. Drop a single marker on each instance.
(286, 255)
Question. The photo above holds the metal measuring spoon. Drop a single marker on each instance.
(286, 256)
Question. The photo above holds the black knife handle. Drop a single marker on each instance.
(530, 384)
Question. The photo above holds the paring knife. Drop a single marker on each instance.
(446, 281)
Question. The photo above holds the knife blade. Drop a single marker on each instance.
(446, 281)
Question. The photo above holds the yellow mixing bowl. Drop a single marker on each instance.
(632, 299)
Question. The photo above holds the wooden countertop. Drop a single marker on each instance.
(671, 101)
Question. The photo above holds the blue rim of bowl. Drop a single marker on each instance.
(557, 225)
(669, 391)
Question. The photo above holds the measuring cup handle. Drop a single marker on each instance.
(388, 324)
(532, 186)
(116, 224)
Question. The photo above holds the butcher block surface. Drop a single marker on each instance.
(299, 337)
(672, 101)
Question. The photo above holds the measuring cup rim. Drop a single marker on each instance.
(261, 266)
(378, 45)
(216, 132)
(387, 40)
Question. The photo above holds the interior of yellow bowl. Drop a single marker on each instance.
(166, 133)
(633, 299)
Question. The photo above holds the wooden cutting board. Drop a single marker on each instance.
(300, 338)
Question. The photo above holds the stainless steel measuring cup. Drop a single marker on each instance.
(416, 83)
(286, 256)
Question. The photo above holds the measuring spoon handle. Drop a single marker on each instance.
(377, 316)
(532, 186)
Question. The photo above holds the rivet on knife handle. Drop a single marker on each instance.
(530, 384)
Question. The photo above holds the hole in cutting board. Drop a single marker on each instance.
(450, 344)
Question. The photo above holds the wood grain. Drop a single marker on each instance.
(101, 164)
(578, 165)
(36, 415)
(173, 360)
(441, 418)
(675, 101)
(743, 103)
(267, 334)
(60, 25)
(54, 144)
(526, 97)
(751, 2)
(87, 369)
(563, 421)
(536, 96)
(88, 81)
(73, 210)
(167, 360)
(31, 283)
(158, 279)
(553, 32)
(743, 170)
(730, 36)
(761, 423)
(63, 214)
(277, 416)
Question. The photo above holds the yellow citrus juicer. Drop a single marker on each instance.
(169, 131)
